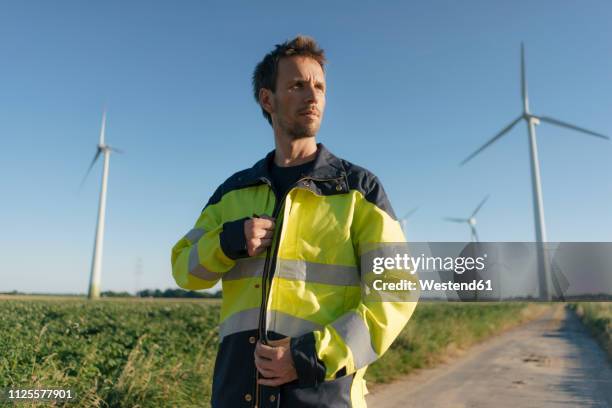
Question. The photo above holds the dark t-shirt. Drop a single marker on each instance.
(285, 177)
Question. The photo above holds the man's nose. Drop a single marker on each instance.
(311, 94)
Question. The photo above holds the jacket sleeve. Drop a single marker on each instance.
(364, 333)
(209, 249)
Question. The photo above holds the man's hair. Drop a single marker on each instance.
(266, 71)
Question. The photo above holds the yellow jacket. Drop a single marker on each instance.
(308, 286)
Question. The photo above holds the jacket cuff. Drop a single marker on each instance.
(310, 370)
(232, 239)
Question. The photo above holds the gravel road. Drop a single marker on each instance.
(549, 362)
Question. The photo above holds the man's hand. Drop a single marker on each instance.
(258, 232)
(275, 363)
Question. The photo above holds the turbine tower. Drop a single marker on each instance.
(471, 221)
(96, 264)
(538, 207)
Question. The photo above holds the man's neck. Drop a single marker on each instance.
(294, 152)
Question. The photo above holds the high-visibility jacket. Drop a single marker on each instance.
(306, 286)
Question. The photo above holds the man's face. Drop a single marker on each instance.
(299, 101)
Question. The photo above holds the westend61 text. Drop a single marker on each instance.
(433, 285)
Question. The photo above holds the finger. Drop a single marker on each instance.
(257, 232)
(265, 351)
(265, 242)
(252, 245)
(263, 223)
(257, 251)
(271, 382)
(266, 372)
(267, 217)
(261, 350)
(248, 229)
(256, 228)
(264, 233)
(263, 361)
(256, 246)
(263, 366)
(267, 234)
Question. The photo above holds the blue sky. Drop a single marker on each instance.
(413, 88)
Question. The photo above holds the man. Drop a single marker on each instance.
(285, 238)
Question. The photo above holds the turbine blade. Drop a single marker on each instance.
(97, 155)
(103, 129)
(493, 140)
(570, 126)
(480, 205)
(474, 233)
(409, 213)
(523, 79)
(451, 219)
(115, 150)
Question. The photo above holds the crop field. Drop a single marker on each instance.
(121, 353)
(111, 353)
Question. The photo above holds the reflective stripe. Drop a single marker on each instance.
(318, 272)
(297, 270)
(194, 235)
(356, 335)
(288, 325)
(279, 322)
(196, 269)
(241, 321)
(245, 268)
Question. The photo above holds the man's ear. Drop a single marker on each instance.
(265, 100)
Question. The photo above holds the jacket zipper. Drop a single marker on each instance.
(268, 273)
(264, 289)
(264, 295)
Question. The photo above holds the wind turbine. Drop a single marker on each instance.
(471, 221)
(404, 220)
(532, 120)
(96, 264)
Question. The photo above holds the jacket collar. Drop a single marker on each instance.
(326, 166)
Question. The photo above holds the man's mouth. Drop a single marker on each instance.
(310, 113)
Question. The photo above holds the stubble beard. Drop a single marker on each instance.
(297, 130)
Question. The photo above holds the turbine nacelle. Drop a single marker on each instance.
(531, 119)
(471, 220)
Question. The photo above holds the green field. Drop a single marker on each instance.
(597, 317)
(161, 353)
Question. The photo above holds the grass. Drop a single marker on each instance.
(111, 354)
(80, 298)
(597, 317)
(161, 353)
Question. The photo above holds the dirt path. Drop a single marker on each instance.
(549, 362)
